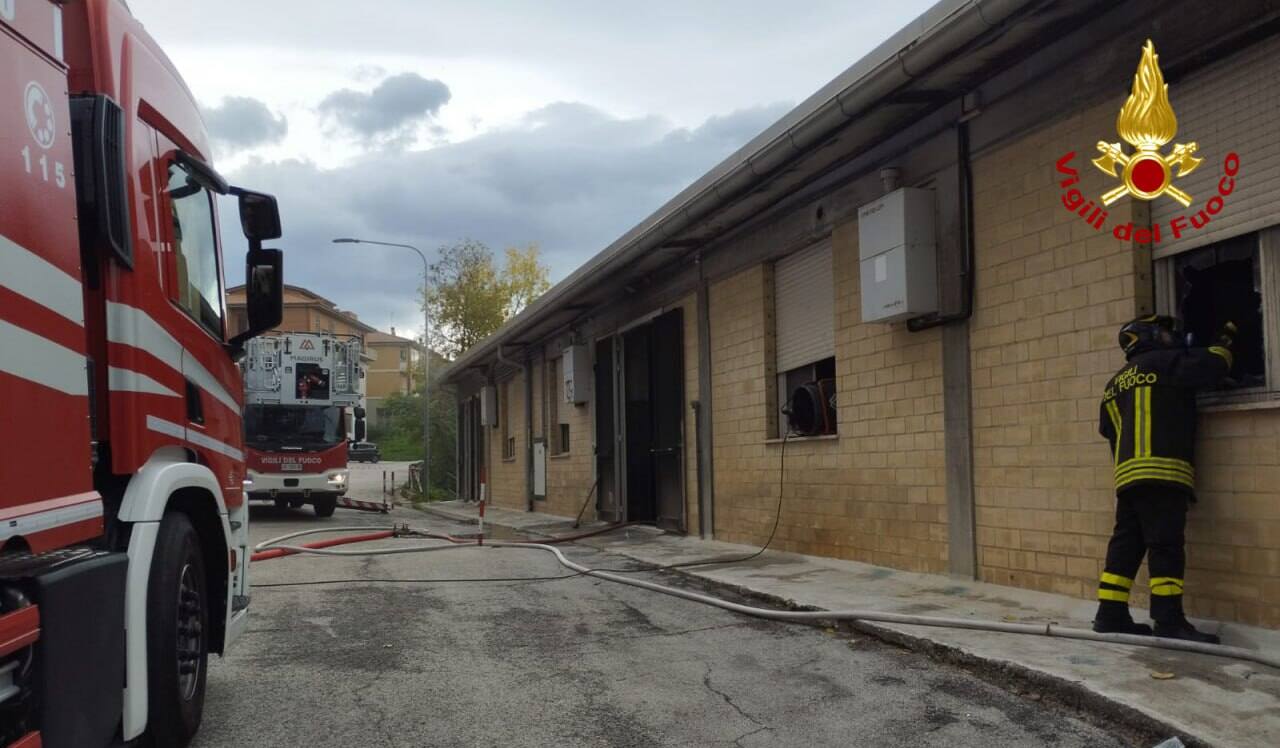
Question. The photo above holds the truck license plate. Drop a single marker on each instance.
(291, 467)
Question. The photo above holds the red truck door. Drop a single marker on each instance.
(45, 451)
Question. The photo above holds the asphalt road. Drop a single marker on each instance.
(573, 662)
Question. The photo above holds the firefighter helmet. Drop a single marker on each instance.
(1149, 333)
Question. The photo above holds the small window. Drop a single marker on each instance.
(1223, 283)
(404, 354)
(808, 393)
(804, 343)
(196, 249)
(559, 432)
(508, 441)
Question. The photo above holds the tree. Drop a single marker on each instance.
(469, 296)
(399, 428)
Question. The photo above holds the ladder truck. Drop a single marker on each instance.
(298, 390)
(123, 520)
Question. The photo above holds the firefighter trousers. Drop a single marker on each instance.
(1150, 521)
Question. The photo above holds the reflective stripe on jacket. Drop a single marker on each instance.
(1148, 414)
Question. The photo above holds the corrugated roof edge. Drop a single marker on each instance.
(937, 32)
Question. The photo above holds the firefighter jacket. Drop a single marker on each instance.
(1148, 414)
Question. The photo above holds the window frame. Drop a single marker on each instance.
(504, 415)
(556, 430)
(776, 378)
(1268, 249)
(176, 293)
(784, 392)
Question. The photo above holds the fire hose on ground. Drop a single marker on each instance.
(276, 547)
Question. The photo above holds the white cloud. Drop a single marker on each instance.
(569, 177)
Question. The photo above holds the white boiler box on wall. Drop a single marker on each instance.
(576, 370)
(489, 405)
(897, 251)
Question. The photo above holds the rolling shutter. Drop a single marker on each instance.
(1228, 106)
(804, 300)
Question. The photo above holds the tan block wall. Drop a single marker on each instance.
(1051, 294)
(506, 478)
(689, 305)
(875, 493)
(570, 475)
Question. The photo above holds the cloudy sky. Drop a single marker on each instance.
(558, 122)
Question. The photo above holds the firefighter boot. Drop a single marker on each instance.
(1113, 618)
(1171, 623)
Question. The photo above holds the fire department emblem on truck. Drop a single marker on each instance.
(1147, 123)
(39, 111)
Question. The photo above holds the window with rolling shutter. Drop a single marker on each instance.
(1227, 107)
(804, 340)
(1229, 270)
(804, 303)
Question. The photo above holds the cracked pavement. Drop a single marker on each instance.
(573, 662)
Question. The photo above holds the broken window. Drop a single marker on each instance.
(1222, 283)
(808, 399)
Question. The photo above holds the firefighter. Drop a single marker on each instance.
(1148, 414)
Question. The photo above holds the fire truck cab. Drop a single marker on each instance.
(123, 520)
(299, 388)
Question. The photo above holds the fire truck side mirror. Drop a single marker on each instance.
(264, 293)
(259, 215)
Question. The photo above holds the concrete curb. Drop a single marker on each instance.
(1014, 676)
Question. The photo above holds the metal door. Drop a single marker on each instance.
(608, 495)
(666, 379)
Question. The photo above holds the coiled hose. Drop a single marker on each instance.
(794, 616)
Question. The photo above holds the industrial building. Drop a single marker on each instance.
(926, 262)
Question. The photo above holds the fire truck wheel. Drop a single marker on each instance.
(325, 505)
(177, 622)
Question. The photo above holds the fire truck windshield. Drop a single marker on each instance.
(307, 427)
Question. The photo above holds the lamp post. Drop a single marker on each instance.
(426, 357)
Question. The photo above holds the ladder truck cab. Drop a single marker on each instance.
(298, 390)
(123, 521)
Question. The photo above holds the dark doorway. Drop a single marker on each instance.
(652, 384)
(607, 491)
(667, 385)
(639, 420)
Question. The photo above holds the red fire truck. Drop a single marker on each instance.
(298, 388)
(123, 521)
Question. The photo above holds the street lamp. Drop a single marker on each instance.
(426, 357)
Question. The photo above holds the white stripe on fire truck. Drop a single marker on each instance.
(133, 327)
(35, 359)
(168, 428)
(35, 278)
(29, 524)
(126, 380)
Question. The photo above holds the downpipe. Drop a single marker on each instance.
(791, 616)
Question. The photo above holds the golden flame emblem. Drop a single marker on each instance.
(1147, 123)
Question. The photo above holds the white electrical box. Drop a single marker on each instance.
(897, 248)
(539, 469)
(576, 366)
(488, 405)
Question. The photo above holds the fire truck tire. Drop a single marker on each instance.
(325, 505)
(177, 626)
